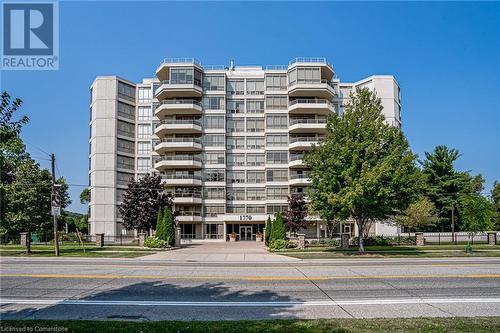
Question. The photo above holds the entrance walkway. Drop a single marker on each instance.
(220, 252)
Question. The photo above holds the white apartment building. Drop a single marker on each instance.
(227, 141)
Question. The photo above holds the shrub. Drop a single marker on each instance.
(326, 242)
(278, 231)
(155, 243)
(385, 241)
(268, 230)
(278, 244)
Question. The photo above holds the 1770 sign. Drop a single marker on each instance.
(245, 217)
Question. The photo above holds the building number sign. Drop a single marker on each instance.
(245, 217)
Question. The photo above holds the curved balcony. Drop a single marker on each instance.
(166, 127)
(307, 125)
(311, 106)
(178, 107)
(327, 70)
(178, 88)
(178, 144)
(304, 142)
(186, 216)
(163, 69)
(178, 162)
(320, 89)
(187, 198)
(299, 180)
(296, 161)
(181, 180)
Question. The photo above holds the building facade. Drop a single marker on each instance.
(227, 141)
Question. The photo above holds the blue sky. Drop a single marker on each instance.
(444, 55)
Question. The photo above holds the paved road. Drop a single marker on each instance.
(154, 290)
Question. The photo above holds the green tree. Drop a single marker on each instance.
(475, 213)
(278, 229)
(364, 169)
(169, 226)
(269, 226)
(419, 214)
(495, 197)
(161, 228)
(75, 221)
(85, 196)
(444, 184)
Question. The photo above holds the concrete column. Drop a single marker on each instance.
(492, 238)
(301, 243)
(344, 241)
(178, 236)
(419, 239)
(99, 240)
(142, 239)
(225, 231)
(26, 241)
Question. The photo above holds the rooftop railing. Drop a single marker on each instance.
(214, 67)
(310, 59)
(180, 61)
(276, 67)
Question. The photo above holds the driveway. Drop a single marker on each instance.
(220, 252)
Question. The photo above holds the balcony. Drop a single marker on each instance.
(307, 125)
(299, 179)
(186, 216)
(178, 162)
(178, 89)
(166, 127)
(178, 144)
(296, 161)
(178, 107)
(304, 88)
(181, 180)
(311, 106)
(327, 70)
(304, 142)
(163, 69)
(187, 198)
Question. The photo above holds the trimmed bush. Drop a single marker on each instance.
(385, 241)
(278, 244)
(278, 231)
(161, 228)
(169, 221)
(269, 227)
(155, 243)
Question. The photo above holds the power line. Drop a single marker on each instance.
(37, 148)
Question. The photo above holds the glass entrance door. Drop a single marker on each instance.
(245, 233)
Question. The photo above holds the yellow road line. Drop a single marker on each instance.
(253, 278)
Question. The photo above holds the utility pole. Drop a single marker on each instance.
(53, 198)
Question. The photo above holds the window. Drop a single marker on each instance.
(255, 125)
(215, 175)
(143, 164)
(124, 162)
(235, 125)
(299, 174)
(277, 157)
(214, 140)
(276, 82)
(123, 178)
(236, 87)
(214, 83)
(304, 75)
(255, 177)
(273, 209)
(256, 194)
(143, 147)
(235, 106)
(126, 91)
(235, 160)
(126, 111)
(277, 193)
(255, 159)
(255, 87)
(255, 106)
(144, 95)
(236, 209)
(213, 103)
(236, 177)
(255, 143)
(214, 193)
(277, 140)
(256, 209)
(213, 211)
(144, 113)
(235, 194)
(143, 131)
(277, 175)
(235, 143)
(276, 121)
(214, 158)
(124, 146)
(185, 76)
(276, 102)
(125, 128)
(213, 122)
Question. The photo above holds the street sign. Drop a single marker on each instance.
(56, 200)
(56, 211)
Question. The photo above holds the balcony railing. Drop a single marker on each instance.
(186, 140)
(300, 176)
(176, 176)
(178, 158)
(310, 101)
(293, 83)
(180, 61)
(294, 121)
(306, 139)
(296, 157)
(179, 101)
(178, 122)
(188, 213)
(194, 195)
(196, 82)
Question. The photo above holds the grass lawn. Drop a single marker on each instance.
(75, 250)
(477, 325)
(321, 252)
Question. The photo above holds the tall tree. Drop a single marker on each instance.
(278, 230)
(295, 216)
(169, 218)
(364, 168)
(141, 202)
(269, 226)
(444, 184)
(495, 197)
(419, 214)
(475, 213)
